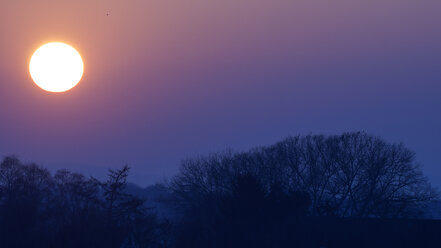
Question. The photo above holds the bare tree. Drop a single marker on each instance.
(356, 175)
(114, 189)
(348, 175)
(71, 210)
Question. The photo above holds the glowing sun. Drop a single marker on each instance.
(56, 67)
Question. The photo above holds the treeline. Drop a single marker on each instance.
(267, 197)
(67, 209)
(299, 192)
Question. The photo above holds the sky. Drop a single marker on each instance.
(166, 80)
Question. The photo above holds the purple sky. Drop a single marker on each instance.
(170, 79)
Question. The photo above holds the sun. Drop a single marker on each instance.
(56, 67)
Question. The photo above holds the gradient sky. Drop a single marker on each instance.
(170, 79)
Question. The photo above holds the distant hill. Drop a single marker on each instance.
(433, 211)
(156, 197)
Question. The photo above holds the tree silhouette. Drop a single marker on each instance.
(349, 190)
(70, 210)
(348, 175)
